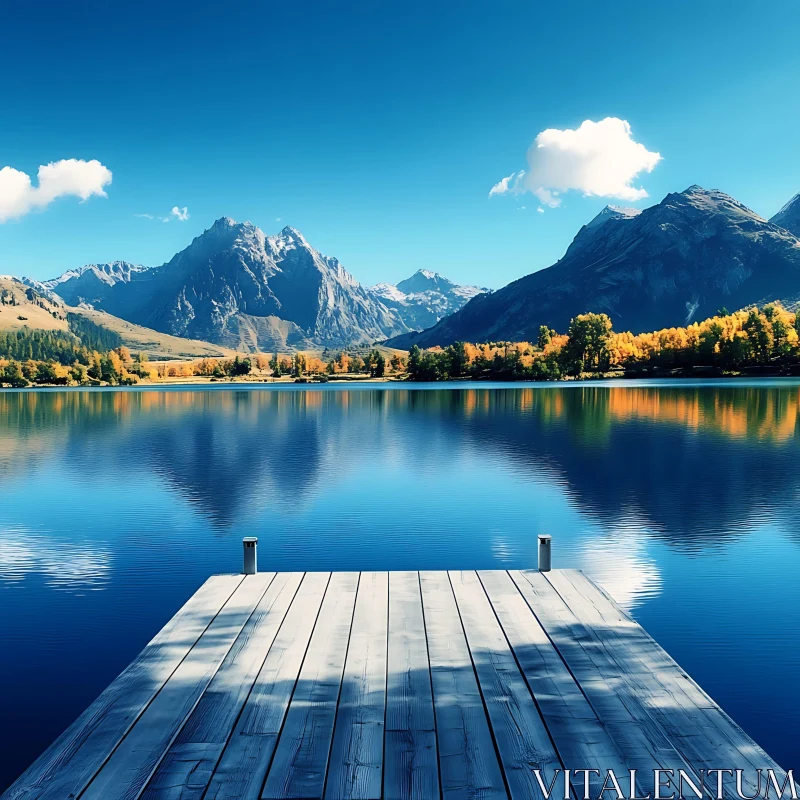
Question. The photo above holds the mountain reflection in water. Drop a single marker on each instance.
(610, 449)
(682, 500)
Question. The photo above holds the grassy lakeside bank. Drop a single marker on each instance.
(751, 342)
(697, 374)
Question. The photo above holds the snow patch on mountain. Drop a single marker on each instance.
(789, 216)
(234, 285)
(109, 273)
(425, 298)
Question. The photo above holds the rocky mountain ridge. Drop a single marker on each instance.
(789, 216)
(677, 261)
(423, 299)
(236, 286)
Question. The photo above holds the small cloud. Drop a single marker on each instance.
(540, 210)
(277, 219)
(181, 214)
(508, 184)
(549, 198)
(70, 177)
(600, 159)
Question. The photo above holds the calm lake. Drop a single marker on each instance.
(682, 499)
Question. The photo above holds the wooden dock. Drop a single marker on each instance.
(376, 685)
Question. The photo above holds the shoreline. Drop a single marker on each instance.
(603, 381)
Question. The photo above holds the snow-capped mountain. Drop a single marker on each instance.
(92, 283)
(236, 286)
(608, 219)
(423, 299)
(789, 216)
(677, 261)
(613, 212)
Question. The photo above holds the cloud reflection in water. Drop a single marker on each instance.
(72, 566)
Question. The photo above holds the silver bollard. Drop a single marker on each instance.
(544, 552)
(250, 546)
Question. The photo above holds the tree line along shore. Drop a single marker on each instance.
(52, 358)
(765, 339)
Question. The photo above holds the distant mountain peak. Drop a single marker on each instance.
(696, 250)
(108, 273)
(596, 227)
(708, 201)
(789, 216)
(235, 285)
(795, 201)
(425, 280)
(425, 298)
(288, 239)
(613, 212)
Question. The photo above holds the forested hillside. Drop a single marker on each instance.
(23, 343)
(92, 336)
(726, 343)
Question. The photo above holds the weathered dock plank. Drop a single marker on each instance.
(242, 769)
(704, 735)
(133, 761)
(578, 734)
(411, 768)
(356, 760)
(392, 686)
(189, 763)
(641, 741)
(67, 766)
(522, 740)
(301, 759)
(468, 763)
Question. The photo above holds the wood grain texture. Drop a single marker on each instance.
(704, 735)
(468, 763)
(68, 765)
(639, 738)
(390, 686)
(302, 755)
(411, 770)
(356, 760)
(242, 769)
(187, 767)
(521, 736)
(580, 737)
(131, 764)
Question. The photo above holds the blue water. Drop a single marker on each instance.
(682, 500)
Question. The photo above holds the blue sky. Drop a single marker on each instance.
(378, 128)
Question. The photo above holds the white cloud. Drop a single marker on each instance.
(68, 177)
(181, 214)
(599, 159)
(548, 197)
(508, 184)
(540, 210)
